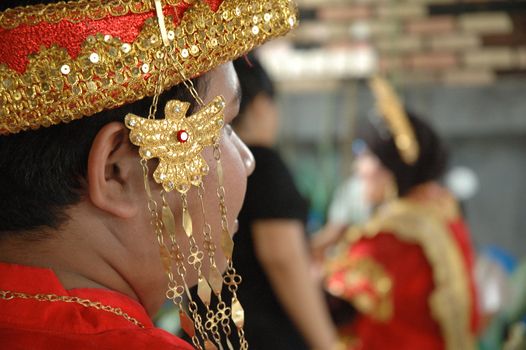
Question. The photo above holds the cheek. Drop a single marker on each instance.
(145, 264)
(372, 190)
(373, 183)
(367, 176)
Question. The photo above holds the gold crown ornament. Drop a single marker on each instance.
(393, 112)
(69, 60)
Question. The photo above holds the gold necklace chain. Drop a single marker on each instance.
(10, 295)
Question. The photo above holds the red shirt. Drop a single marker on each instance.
(34, 324)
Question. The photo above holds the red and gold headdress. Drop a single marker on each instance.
(69, 60)
(65, 61)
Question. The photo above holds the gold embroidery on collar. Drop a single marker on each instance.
(377, 302)
(450, 301)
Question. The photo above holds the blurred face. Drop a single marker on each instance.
(260, 123)
(266, 112)
(377, 180)
(237, 163)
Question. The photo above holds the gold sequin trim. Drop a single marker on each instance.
(108, 72)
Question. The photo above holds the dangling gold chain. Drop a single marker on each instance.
(53, 298)
(176, 289)
(194, 259)
(174, 260)
(215, 279)
(231, 278)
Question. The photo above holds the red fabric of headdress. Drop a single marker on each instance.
(18, 43)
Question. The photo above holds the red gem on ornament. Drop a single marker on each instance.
(182, 136)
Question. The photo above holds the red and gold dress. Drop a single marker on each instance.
(36, 312)
(408, 272)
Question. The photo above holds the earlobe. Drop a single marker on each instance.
(112, 167)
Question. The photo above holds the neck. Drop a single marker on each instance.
(428, 192)
(70, 252)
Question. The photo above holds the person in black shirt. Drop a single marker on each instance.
(284, 306)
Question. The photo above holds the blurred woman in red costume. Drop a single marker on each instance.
(408, 270)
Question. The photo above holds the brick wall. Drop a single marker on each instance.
(456, 42)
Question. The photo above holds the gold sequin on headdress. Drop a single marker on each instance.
(49, 86)
(392, 110)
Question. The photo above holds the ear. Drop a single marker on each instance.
(112, 172)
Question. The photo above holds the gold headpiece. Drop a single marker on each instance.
(65, 61)
(392, 110)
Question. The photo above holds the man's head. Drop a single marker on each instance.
(75, 183)
(118, 201)
(86, 175)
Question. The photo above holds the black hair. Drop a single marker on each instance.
(43, 171)
(430, 165)
(253, 80)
